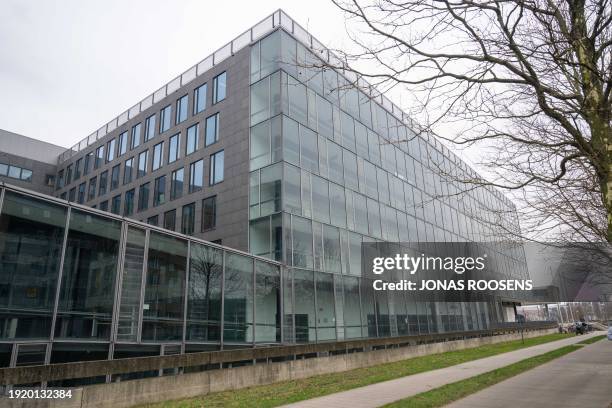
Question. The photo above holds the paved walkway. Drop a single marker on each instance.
(385, 392)
(579, 379)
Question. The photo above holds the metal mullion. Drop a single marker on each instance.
(2, 191)
(143, 281)
(360, 305)
(119, 282)
(186, 295)
(222, 323)
(254, 294)
(60, 274)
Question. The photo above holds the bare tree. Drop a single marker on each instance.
(529, 81)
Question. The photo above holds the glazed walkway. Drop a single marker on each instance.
(385, 392)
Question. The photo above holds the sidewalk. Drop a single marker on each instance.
(579, 379)
(385, 392)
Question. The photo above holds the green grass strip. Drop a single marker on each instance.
(286, 392)
(451, 392)
(592, 339)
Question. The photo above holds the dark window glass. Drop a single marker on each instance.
(154, 220)
(143, 197)
(128, 208)
(149, 128)
(87, 163)
(127, 170)
(81, 193)
(13, 169)
(116, 204)
(199, 99)
(159, 192)
(85, 308)
(92, 189)
(216, 167)
(192, 139)
(77, 169)
(31, 230)
(123, 143)
(136, 130)
(115, 177)
(104, 205)
(164, 119)
(170, 220)
(209, 213)
(196, 176)
(188, 219)
(110, 150)
(142, 163)
(164, 290)
(181, 108)
(219, 88)
(158, 151)
(173, 147)
(99, 157)
(212, 129)
(176, 184)
(72, 194)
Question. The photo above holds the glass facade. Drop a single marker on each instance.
(330, 169)
(123, 282)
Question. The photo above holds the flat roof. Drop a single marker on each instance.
(23, 146)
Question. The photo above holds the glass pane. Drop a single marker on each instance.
(238, 309)
(90, 265)
(352, 316)
(131, 284)
(267, 296)
(31, 236)
(326, 315)
(164, 290)
(204, 294)
(304, 306)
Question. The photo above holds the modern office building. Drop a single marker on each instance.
(258, 148)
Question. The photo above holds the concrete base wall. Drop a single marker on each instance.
(150, 390)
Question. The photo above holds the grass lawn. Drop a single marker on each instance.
(593, 339)
(286, 392)
(451, 392)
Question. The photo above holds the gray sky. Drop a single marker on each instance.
(69, 66)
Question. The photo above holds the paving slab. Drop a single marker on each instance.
(579, 379)
(382, 393)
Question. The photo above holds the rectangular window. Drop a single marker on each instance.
(127, 170)
(154, 220)
(60, 176)
(173, 147)
(170, 220)
(92, 189)
(81, 194)
(209, 213)
(128, 209)
(158, 151)
(115, 177)
(216, 167)
(110, 150)
(219, 88)
(149, 128)
(104, 205)
(164, 119)
(188, 219)
(4, 170)
(192, 139)
(142, 164)
(159, 191)
(196, 176)
(199, 98)
(77, 169)
(176, 184)
(309, 152)
(181, 109)
(87, 164)
(15, 172)
(291, 141)
(103, 183)
(143, 197)
(212, 129)
(72, 194)
(123, 143)
(136, 129)
(116, 204)
(99, 157)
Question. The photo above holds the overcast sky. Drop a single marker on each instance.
(69, 66)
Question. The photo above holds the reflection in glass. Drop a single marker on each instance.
(204, 293)
(238, 308)
(267, 306)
